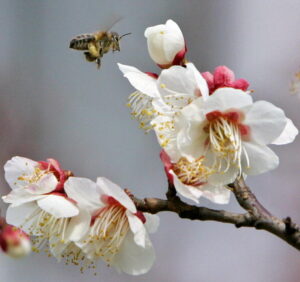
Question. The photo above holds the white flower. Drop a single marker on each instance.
(231, 132)
(166, 44)
(36, 205)
(167, 94)
(118, 232)
(190, 179)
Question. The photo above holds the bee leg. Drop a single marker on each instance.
(89, 57)
(98, 62)
(93, 49)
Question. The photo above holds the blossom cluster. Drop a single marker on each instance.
(76, 219)
(210, 130)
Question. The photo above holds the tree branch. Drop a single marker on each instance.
(255, 216)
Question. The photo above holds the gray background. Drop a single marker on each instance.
(54, 104)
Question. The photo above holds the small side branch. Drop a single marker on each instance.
(255, 216)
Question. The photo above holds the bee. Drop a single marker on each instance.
(97, 44)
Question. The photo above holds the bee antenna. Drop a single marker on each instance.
(125, 34)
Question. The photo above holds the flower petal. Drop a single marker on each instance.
(20, 216)
(216, 194)
(227, 98)
(85, 192)
(58, 206)
(261, 159)
(20, 196)
(138, 229)
(134, 259)
(187, 191)
(139, 80)
(152, 222)
(221, 178)
(78, 226)
(288, 135)
(266, 122)
(111, 189)
(16, 167)
(200, 81)
(177, 80)
(173, 40)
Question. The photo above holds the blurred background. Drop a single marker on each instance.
(54, 104)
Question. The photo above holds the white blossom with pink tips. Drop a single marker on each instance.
(38, 203)
(117, 233)
(231, 133)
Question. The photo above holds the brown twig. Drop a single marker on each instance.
(255, 216)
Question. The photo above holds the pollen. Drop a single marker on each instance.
(107, 233)
(142, 109)
(33, 178)
(225, 140)
(192, 173)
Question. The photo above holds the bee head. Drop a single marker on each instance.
(115, 41)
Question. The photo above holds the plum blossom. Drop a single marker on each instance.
(13, 241)
(232, 133)
(166, 44)
(165, 94)
(117, 233)
(38, 203)
(190, 179)
(224, 77)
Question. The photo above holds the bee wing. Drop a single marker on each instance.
(113, 19)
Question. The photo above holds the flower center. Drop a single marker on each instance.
(107, 233)
(191, 173)
(33, 178)
(225, 135)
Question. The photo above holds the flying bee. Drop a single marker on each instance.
(97, 44)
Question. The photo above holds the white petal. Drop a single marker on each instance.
(133, 259)
(138, 229)
(177, 80)
(200, 81)
(154, 29)
(20, 196)
(58, 206)
(166, 135)
(191, 138)
(288, 135)
(111, 189)
(16, 167)
(220, 178)
(261, 159)
(85, 192)
(187, 191)
(139, 80)
(78, 226)
(266, 122)
(227, 98)
(152, 222)
(19, 216)
(216, 194)
(44, 185)
(173, 40)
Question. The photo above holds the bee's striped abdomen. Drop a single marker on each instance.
(81, 42)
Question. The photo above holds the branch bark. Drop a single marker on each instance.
(255, 214)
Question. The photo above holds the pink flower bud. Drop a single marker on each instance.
(224, 77)
(13, 241)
